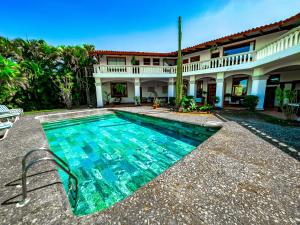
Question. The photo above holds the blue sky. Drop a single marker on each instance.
(136, 25)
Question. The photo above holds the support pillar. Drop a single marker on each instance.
(192, 86)
(98, 85)
(171, 88)
(258, 87)
(220, 89)
(137, 87)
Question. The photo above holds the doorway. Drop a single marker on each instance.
(211, 93)
(270, 97)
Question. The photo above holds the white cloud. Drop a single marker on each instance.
(236, 16)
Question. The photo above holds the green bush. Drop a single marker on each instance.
(188, 103)
(251, 101)
(172, 101)
(35, 75)
(205, 108)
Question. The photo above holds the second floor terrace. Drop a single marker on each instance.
(285, 45)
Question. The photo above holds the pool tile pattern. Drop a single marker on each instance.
(113, 155)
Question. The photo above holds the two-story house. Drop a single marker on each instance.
(254, 61)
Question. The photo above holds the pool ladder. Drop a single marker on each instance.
(58, 162)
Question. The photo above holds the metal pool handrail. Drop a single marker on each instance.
(65, 167)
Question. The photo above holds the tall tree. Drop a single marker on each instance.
(179, 81)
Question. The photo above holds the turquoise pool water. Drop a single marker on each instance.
(114, 154)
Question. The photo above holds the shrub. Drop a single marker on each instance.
(205, 108)
(251, 101)
(172, 101)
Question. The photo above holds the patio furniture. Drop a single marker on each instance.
(117, 101)
(4, 127)
(6, 113)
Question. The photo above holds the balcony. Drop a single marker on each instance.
(285, 45)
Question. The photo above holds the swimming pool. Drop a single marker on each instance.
(114, 154)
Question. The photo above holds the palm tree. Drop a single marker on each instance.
(10, 79)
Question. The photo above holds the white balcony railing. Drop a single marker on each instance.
(287, 40)
(224, 61)
(190, 67)
(135, 69)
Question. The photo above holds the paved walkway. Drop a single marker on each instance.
(234, 177)
(284, 136)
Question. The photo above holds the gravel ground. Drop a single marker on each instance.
(234, 177)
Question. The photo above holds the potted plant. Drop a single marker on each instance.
(155, 103)
(137, 100)
(133, 61)
(251, 101)
(107, 98)
(227, 98)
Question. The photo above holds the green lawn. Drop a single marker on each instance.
(43, 111)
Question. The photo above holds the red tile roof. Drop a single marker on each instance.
(286, 24)
(108, 52)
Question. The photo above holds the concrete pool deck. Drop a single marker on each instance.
(234, 177)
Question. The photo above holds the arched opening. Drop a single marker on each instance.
(117, 91)
(286, 78)
(154, 88)
(236, 87)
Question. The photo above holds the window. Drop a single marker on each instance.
(245, 47)
(116, 61)
(118, 89)
(195, 58)
(170, 62)
(273, 79)
(146, 61)
(239, 86)
(185, 61)
(215, 55)
(156, 62)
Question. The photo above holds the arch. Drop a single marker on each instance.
(214, 76)
(281, 65)
(106, 80)
(155, 80)
(233, 73)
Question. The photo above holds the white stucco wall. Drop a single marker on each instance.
(263, 40)
(158, 86)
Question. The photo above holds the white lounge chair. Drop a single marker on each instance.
(4, 127)
(8, 114)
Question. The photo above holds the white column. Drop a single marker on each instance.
(220, 89)
(258, 88)
(192, 86)
(137, 86)
(98, 85)
(171, 88)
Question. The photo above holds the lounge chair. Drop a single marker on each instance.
(8, 114)
(4, 127)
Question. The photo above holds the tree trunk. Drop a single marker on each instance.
(87, 88)
(179, 81)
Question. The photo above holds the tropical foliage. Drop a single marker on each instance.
(287, 101)
(35, 75)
